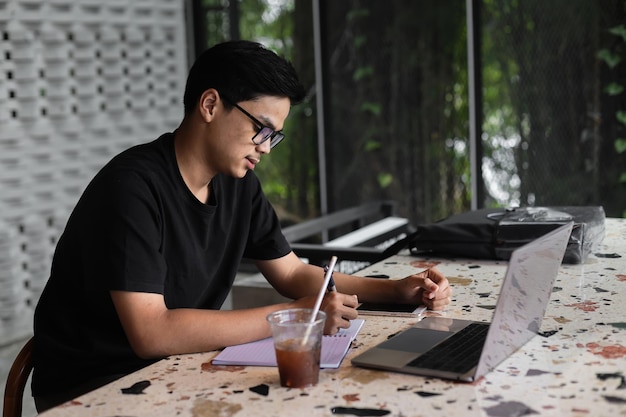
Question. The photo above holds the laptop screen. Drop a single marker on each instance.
(524, 296)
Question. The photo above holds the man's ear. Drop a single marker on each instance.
(208, 102)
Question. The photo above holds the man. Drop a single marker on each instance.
(151, 250)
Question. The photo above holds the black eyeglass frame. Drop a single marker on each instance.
(274, 136)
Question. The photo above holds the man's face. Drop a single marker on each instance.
(236, 152)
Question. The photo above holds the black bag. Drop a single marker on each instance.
(493, 233)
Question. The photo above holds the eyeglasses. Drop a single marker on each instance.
(265, 132)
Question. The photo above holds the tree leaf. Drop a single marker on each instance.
(621, 116)
(609, 57)
(620, 145)
(360, 41)
(372, 145)
(622, 178)
(619, 31)
(385, 179)
(363, 72)
(614, 89)
(357, 14)
(374, 108)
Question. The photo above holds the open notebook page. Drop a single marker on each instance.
(261, 352)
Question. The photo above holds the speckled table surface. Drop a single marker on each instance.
(575, 367)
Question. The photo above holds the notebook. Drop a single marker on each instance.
(436, 345)
(261, 353)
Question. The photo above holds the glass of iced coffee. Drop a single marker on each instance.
(298, 344)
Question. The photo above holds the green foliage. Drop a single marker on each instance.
(289, 173)
(398, 99)
(619, 31)
(357, 14)
(372, 145)
(360, 41)
(614, 89)
(610, 58)
(275, 189)
(613, 59)
(363, 72)
(373, 108)
(385, 179)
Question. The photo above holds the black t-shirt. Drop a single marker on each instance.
(137, 227)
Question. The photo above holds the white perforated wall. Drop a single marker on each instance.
(80, 80)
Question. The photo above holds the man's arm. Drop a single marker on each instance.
(155, 331)
(429, 287)
(293, 278)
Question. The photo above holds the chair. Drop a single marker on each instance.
(16, 381)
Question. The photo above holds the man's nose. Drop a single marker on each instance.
(265, 147)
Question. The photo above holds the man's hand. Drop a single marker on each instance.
(429, 287)
(339, 308)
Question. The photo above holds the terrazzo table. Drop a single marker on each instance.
(575, 367)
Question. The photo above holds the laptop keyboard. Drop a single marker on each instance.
(458, 353)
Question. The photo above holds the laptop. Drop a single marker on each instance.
(465, 350)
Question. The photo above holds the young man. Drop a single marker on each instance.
(151, 250)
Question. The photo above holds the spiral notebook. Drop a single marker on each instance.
(261, 353)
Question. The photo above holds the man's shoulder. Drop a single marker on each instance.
(159, 147)
(149, 156)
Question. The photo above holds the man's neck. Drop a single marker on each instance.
(192, 167)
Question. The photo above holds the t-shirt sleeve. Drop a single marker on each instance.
(126, 255)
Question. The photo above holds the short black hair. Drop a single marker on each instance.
(240, 71)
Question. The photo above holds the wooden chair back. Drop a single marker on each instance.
(16, 381)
